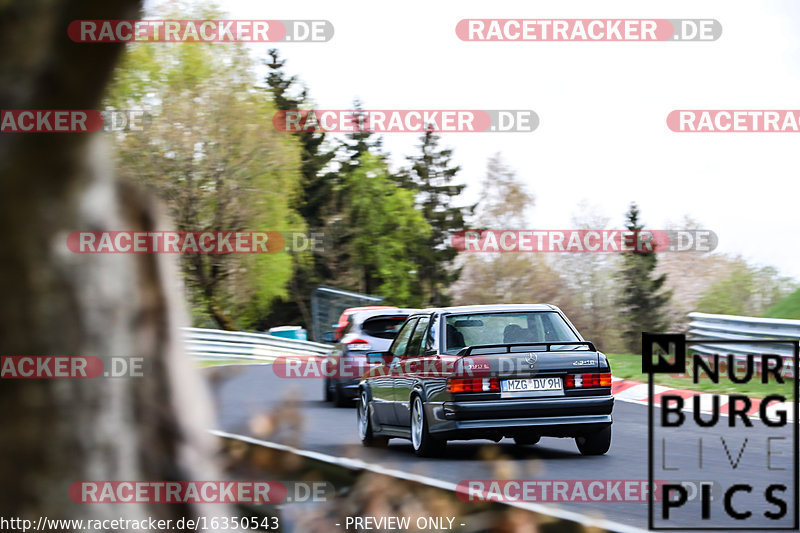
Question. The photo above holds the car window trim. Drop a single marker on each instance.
(427, 325)
(435, 351)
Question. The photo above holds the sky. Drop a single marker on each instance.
(602, 137)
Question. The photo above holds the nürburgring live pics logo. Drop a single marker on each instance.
(752, 453)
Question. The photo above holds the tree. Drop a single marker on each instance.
(504, 199)
(360, 142)
(315, 154)
(746, 290)
(385, 230)
(590, 277)
(316, 187)
(689, 275)
(643, 298)
(431, 175)
(498, 277)
(337, 264)
(209, 156)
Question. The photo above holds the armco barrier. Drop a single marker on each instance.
(744, 328)
(216, 344)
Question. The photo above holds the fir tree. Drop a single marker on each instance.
(642, 299)
(431, 176)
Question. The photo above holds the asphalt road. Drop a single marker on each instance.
(253, 401)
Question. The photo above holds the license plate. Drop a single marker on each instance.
(531, 387)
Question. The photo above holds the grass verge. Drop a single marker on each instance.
(629, 366)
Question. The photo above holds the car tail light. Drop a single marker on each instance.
(585, 381)
(456, 385)
(358, 344)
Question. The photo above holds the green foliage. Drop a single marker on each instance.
(360, 142)
(729, 296)
(643, 298)
(208, 154)
(315, 154)
(316, 188)
(431, 176)
(789, 307)
(338, 266)
(746, 291)
(386, 230)
(212, 155)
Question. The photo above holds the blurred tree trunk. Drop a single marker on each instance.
(54, 302)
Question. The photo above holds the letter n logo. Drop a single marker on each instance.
(670, 350)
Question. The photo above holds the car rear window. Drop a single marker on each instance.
(383, 327)
(506, 328)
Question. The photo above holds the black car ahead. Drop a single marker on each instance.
(487, 372)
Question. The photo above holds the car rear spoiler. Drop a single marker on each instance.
(468, 350)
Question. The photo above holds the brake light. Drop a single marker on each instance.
(585, 381)
(456, 385)
(358, 344)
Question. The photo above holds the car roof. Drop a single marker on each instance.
(493, 308)
(350, 310)
(360, 316)
(368, 307)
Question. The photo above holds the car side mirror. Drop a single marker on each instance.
(329, 336)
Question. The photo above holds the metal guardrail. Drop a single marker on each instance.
(217, 344)
(744, 328)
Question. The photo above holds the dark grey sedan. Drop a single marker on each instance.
(487, 372)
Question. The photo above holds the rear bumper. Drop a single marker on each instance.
(528, 408)
(556, 417)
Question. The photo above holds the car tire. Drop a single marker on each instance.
(368, 439)
(423, 443)
(327, 395)
(595, 443)
(526, 440)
